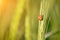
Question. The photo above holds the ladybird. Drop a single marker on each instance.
(40, 17)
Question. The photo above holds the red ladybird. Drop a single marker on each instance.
(40, 17)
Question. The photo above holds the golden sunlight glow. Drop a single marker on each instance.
(1, 2)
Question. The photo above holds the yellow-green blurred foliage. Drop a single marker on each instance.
(19, 19)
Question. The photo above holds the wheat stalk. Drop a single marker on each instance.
(16, 19)
(44, 8)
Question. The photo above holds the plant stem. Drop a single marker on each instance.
(16, 19)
